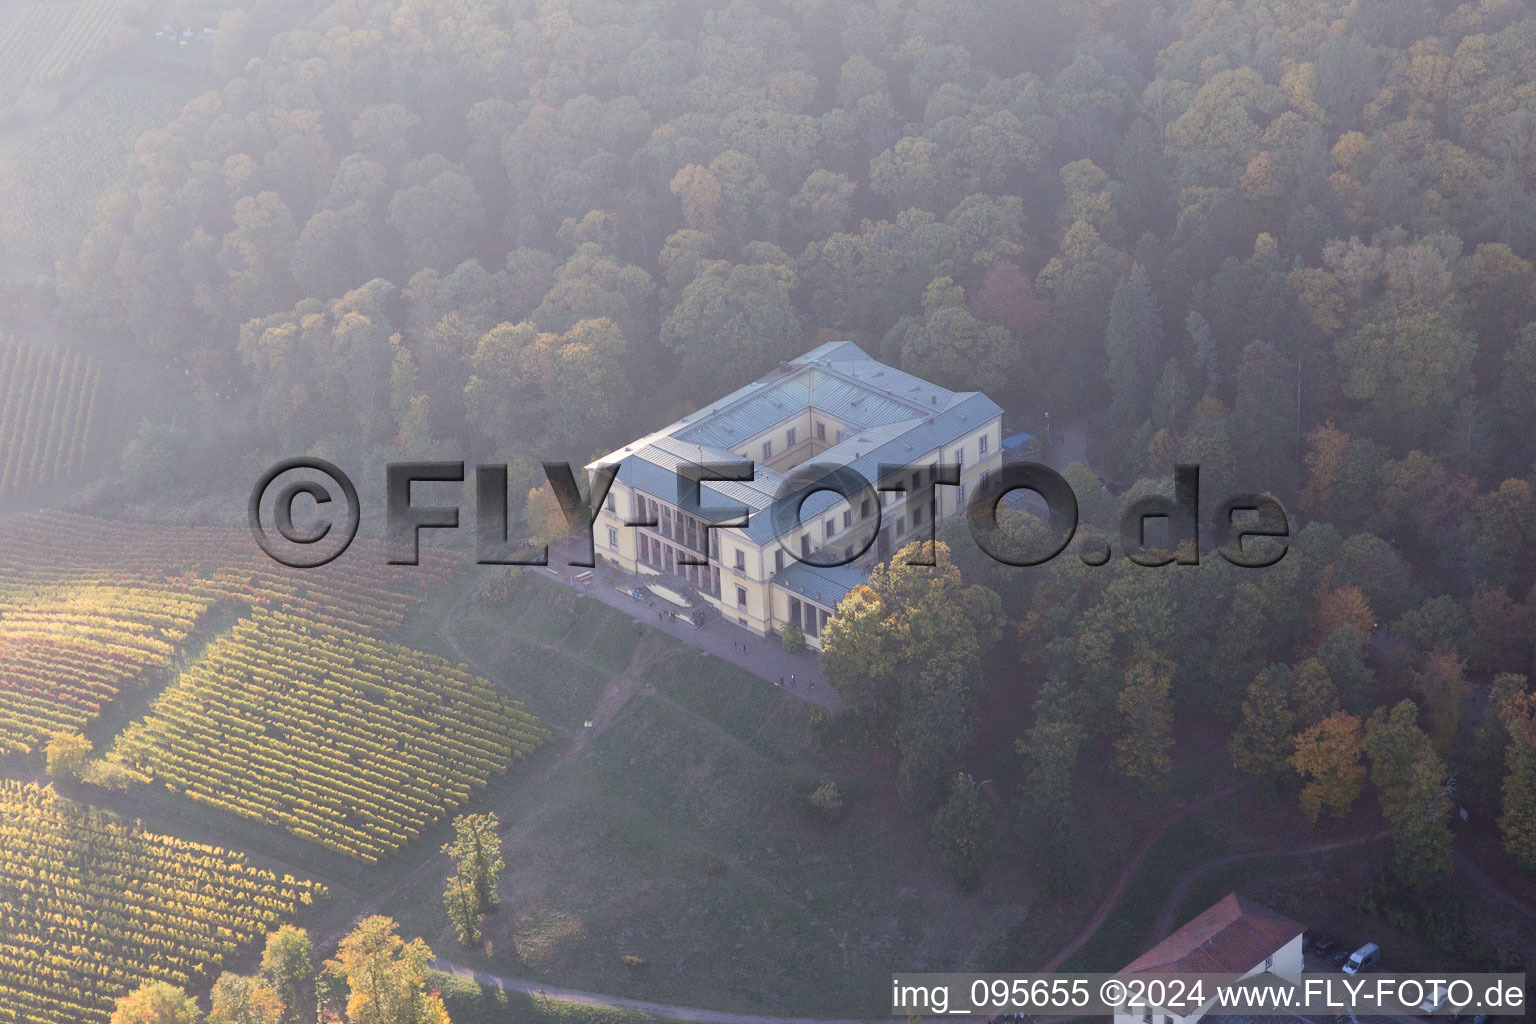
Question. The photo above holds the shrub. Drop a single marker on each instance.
(66, 754)
(826, 800)
(793, 639)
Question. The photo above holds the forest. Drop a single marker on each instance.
(1292, 242)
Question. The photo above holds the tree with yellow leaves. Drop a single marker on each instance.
(1328, 754)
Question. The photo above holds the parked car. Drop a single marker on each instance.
(1324, 946)
(1362, 959)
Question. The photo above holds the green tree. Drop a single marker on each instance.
(732, 323)
(463, 910)
(1517, 713)
(476, 850)
(156, 1002)
(1133, 342)
(963, 832)
(1146, 723)
(288, 963)
(1411, 369)
(904, 653)
(1261, 743)
(1412, 784)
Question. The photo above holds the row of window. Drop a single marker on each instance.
(792, 437)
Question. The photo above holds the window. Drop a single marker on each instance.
(741, 597)
(901, 525)
(805, 546)
(960, 456)
(917, 480)
(767, 450)
(864, 509)
(778, 559)
(821, 431)
(829, 527)
(986, 475)
(917, 517)
(789, 438)
(933, 471)
(741, 560)
(981, 445)
(960, 497)
(847, 518)
(1269, 962)
(613, 504)
(613, 537)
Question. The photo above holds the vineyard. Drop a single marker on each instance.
(301, 716)
(87, 606)
(67, 653)
(352, 743)
(90, 907)
(48, 400)
(42, 43)
(51, 193)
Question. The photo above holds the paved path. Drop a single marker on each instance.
(1118, 889)
(566, 995)
(764, 657)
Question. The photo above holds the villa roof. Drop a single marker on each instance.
(1231, 937)
(893, 417)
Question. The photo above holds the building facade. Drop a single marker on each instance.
(832, 407)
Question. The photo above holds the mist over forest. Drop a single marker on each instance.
(1292, 242)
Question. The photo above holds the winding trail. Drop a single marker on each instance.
(1117, 890)
(567, 995)
(1165, 920)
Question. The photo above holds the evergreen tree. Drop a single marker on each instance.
(1133, 343)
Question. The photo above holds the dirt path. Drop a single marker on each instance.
(1165, 920)
(615, 699)
(1118, 889)
(1480, 878)
(566, 995)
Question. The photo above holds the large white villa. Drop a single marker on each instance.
(834, 405)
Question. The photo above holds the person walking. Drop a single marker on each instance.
(791, 680)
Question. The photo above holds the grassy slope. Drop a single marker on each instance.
(678, 835)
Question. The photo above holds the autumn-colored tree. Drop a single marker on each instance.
(1326, 449)
(386, 977)
(241, 1000)
(156, 1002)
(1007, 298)
(1327, 755)
(1342, 606)
(543, 516)
(66, 755)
